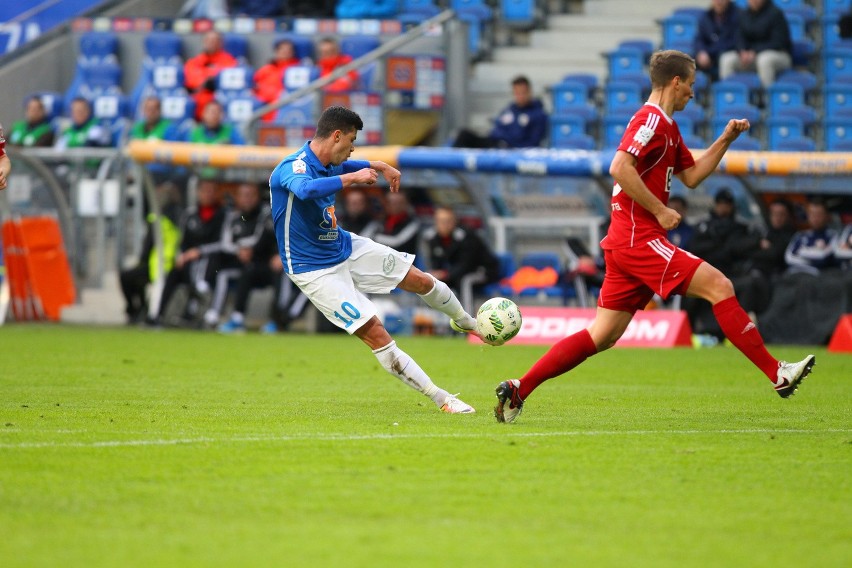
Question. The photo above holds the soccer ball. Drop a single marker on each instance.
(498, 320)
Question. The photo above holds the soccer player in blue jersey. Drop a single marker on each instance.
(336, 268)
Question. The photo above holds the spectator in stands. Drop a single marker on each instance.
(523, 124)
(269, 79)
(401, 229)
(242, 230)
(84, 130)
(201, 230)
(681, 235)
(843, 247)
(152, 125)
(213, 128)
(329, 58)
(727, 244)
(456, 252)
(762, 43)
(135, 280)
(377, 9)
(357, 214)
(812, 250)
(768, 259)
(5, 162)
(35, 130)
(200, 71)
(717, 28)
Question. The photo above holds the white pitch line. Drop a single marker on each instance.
(378, 436)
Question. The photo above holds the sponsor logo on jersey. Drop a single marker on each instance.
(644, 134)
(388, 264)
(300, 167)
(329, 219)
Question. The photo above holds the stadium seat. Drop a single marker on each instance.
(110, 110)
(694, 111)
(302, 45)
(541, 261)
(477, 35)
(163, 48)
(177, 107)
(640, 79)
(569, 95)
(752, 83)
(728, 93)
(836, 6)
(686, 125)
(52, 102)
(746, 143)
(240, 109)
(236, 45)
(783, 128)
(235, 81)
(356, 46)
(588, 79)
(518, 13)
(838, 133)
(95, 80)
(797, 25)
(806, 79)
(831, 32)
(807, 114)
(838, 100)
(783, 95)
(702, 81)
(507, 265)
(299, 76)
(795, 144)
(624, 61)
(299, 113)
(725, 114)
(645, 46)
(803, 50)
(97, 48)
(679, 29)
(564, 126)
(613, 128)
(837, 61)
(694, 142)
(622, 96)
(690, 11)
(574, 142)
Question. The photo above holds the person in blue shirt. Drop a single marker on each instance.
(717, 31)
(335, 268)
(812, 250)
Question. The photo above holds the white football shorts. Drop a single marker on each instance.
(340, 292)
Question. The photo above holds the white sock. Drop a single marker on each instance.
(399, 364)
(442, 299)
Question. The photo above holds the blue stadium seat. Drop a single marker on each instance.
(298, 113)
(177, 107)
(506, 262)
(725, 114)
(476, 18)
(622, 96)
(838, 61)
(838, 132)
(795, 144)
(613, 128)
(690, 11)
(693, 142)
(93, 81)
(298, 76)
(569, 95)
(782, 128)
(807, 114)
(805, 11)
(838, 100)
(236, 45)
(728, 93)
(422, 5)
(574, 142)
(111, 110)
(831, 32)
(836, 6)
(782, 95)
(752, 82)
(239, 110)
(97, 48)
(679, 29)
(645, 46)
(746, 143)
(624, 61)
(356, 46)
(640, 79)
(797, 25)
(52, 102)
(567, 126)
(784, 4)
(162, 48)
(702, 81)
(518, 13)
(693, 111)
(803, 50)
(235, 81)
(686, 125)
(588, 79)
(806, 79)
(302, 45)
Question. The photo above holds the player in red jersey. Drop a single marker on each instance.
(5, 162)
(640, 261)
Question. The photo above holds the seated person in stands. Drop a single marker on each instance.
(843, 247)
(401, 229)
(768, 259)
(357, 215)
(135, 280)
(242, 229)
(329, 58)
(456, 252)
(269, 79)
(763, 43)
(201, 231)
(681, 235)
(523, 124)
(213, 129)
(35, 130)
(812, 250)
(200, 71)
(84, 130)
(152, 125)
(717, 28)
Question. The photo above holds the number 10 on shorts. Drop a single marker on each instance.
(350, 311)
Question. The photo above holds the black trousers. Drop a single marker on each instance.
(133, 284)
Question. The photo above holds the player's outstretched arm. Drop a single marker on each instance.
(391, 174)
(709, 160)
(623, 170)
(5, 168)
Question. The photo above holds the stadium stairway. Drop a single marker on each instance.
(571, 43)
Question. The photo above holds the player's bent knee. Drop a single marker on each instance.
(417, 281)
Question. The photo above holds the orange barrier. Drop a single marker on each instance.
(39, 274)
(841, 339)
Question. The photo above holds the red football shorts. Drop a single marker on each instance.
(634, 275)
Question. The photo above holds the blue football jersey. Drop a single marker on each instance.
(305, 224)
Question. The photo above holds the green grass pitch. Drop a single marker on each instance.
(124, 447)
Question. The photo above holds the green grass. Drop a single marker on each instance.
(134, 448)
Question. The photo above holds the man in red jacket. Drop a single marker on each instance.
(201, 70)
(329, 59)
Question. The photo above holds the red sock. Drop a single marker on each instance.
(742, 332)
(561, 358)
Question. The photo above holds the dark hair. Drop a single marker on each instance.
(37, 99)
(783, 203)
(668, 64)
(83, 100)
(337, 118)
(521, 80)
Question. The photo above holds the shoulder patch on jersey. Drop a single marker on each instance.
(643, 135)
(300, 167)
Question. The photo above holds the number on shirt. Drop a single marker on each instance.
(350, 311)
(669, 172)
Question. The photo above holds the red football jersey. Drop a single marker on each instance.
(653, 138)
(2, 142)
